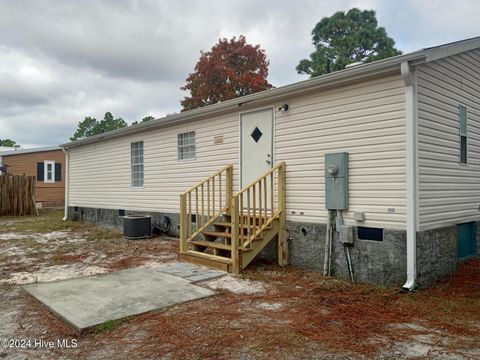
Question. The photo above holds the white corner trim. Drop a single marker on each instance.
(411, 183)
(45, 171)
(67, 171)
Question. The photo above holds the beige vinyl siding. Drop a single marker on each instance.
(100, 173)
(449, 192)
(367, 120)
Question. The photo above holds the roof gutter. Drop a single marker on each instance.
(337, 78)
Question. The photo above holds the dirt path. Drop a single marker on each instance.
(268, 312)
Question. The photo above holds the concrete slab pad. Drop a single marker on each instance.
(180, 265)
(190, 272)
(203, 277)
(92, 300)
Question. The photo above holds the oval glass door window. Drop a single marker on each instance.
(256, 134)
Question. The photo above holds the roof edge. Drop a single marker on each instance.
(338, 77)
(450, 49)
(28, 151)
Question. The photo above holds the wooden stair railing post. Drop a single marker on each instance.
(282, 243)
(249, 230)
(235, 236)
(183, 223)
(229, 188)
(203, 215)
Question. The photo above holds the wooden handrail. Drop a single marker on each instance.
(263, 227)
(253, 210)
(202, 201)
(254, 182)
(207, 179)
(259, 212)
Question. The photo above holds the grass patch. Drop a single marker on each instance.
(111, 325)
(50, 220)
(98, 233)
(47, 221)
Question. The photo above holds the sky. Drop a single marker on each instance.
(61, 61)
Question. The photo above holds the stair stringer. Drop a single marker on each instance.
(267, 235)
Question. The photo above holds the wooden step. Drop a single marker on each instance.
(227, 235)
(229, 225)
(217, 234)
(211, 261)
(211, 244)
(258, 238)
(256, 248)
(224, 224)
(246, 216)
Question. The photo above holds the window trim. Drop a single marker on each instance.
(132, 186)
(183, 146)
(463, 134)
(45, 171)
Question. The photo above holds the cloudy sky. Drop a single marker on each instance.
(63, 60)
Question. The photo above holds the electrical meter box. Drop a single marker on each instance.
(336, 181)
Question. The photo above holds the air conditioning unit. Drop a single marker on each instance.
(137, 227)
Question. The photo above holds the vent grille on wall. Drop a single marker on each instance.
(365, 233)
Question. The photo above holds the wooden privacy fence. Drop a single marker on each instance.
(17, 195)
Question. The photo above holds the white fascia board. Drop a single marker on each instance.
(442, 51)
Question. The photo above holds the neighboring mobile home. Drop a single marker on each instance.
(410, 126)
(47, 165)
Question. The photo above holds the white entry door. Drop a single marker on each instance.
(257, 144)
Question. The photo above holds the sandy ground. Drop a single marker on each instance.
(268, 312)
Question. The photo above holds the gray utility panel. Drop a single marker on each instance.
(336, 181)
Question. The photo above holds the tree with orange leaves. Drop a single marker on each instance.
(232, 68)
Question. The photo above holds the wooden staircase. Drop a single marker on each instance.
(227, 231)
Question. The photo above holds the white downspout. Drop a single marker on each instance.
(411, 175)
(67, 171)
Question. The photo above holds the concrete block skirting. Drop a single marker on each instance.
(378, 262)
(478, 238)
(111, 218)
(436, 254)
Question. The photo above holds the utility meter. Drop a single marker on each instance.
(336, 181)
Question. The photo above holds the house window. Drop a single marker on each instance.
(463, 134)
(49, 171)
(186, 145)
(137, 163)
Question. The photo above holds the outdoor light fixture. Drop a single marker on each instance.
(283, 108)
